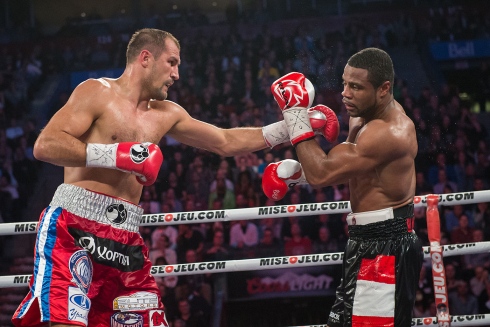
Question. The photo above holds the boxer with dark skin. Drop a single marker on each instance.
(377, 159)
(383, 256)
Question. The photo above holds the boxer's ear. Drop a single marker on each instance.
(144, 57)
(384, 89)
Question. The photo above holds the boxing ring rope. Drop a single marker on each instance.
(307, 260)
(279, 211)
(455, 321)
(431, 201)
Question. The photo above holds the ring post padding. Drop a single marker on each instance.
(438, 270)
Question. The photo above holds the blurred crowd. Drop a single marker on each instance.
(225, 80)
(20, 78)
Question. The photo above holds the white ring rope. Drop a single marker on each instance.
(211, 267)
(280, 262)
(456, 321)
(306, 209)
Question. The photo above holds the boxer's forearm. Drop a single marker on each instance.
(60, 150)
(244, 140)
(233, 141)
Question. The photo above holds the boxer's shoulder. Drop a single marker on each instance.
(93, 89)
(396, 125)
(382, 140)
(168, 107)
(96, 83)
(164, 104)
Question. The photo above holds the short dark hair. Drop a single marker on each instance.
(151, 39)
(378, 64)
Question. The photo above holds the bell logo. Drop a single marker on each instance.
(169, 269)
(293, 260)
(416, 199)
(157, 318)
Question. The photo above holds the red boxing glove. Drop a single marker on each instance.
(279, 176)
(294, 94)
(141, 159)
(324, 121)
(293, 90)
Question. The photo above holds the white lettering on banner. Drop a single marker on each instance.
(467, 50)
(289, 282)
(310, 283)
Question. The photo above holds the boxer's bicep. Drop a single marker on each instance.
(377, 145)
(342, 163)
(347, 160)
(60, 138)
(84, 105)
(196, 133)
(224, 142)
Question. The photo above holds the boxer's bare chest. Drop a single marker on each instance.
(129, 124)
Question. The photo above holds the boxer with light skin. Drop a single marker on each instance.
(89, 257)
(383, 256)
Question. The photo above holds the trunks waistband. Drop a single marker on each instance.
(369, 217)
(98, 207)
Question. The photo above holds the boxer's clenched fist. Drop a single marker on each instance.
(141, 159)
(323, 121)
(279, 176)
(294, 94)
